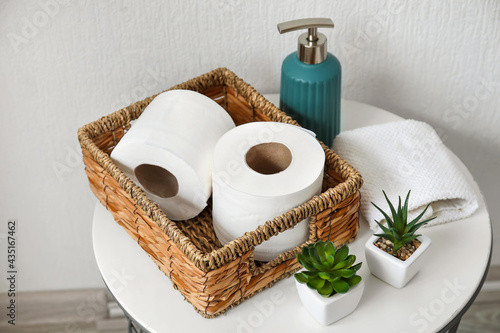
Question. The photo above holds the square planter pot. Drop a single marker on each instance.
(327, 310)
(392, 270)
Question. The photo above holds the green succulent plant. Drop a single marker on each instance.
(398, 230)
(327, 270)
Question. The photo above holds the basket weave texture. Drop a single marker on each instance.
(212, 277)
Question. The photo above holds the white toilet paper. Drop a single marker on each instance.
(262, 170)
(168, 151)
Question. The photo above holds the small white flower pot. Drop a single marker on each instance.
(392, 270)
(327, 310)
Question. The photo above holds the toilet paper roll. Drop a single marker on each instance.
(168, 151)
(262, 170)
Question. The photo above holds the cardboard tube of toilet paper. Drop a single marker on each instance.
(261, 170)
(168, 151)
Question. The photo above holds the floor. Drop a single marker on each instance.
(484, 314)
(94, 311)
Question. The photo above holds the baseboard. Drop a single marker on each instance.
(70, 307)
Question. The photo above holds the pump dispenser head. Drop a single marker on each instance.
(312, 44)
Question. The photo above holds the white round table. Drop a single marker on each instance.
(434, 300)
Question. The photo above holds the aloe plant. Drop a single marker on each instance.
(327, 269)
(398, 231)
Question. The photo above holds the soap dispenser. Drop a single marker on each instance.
(311, 80)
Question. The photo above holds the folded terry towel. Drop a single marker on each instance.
(406, 155)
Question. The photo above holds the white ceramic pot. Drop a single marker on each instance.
(392, 270)
(327, 310)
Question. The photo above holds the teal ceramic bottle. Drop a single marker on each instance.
(311, 80)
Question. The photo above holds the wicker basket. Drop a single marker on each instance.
(212, 277)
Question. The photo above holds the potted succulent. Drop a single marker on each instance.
(328, 285)
(396, 254)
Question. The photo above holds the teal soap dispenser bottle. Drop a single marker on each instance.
(311, 80)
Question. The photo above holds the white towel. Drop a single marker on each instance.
(406, 155)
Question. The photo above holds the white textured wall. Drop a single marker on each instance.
(66, 63)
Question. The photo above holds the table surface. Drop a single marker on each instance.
(428, 303)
